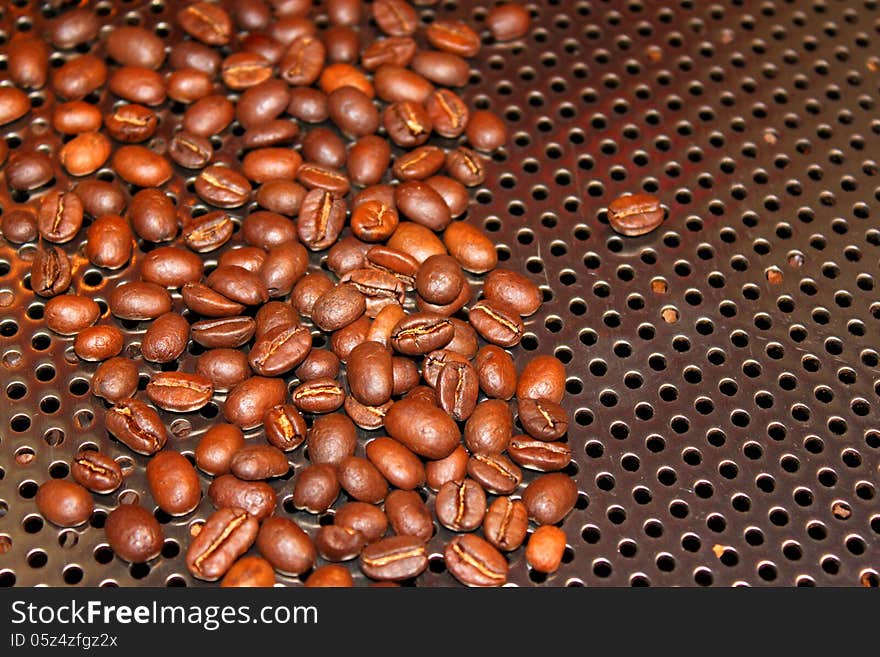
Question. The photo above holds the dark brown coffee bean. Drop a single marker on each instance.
(258, 462)
(190, 151)
(464, 298)
(165, 339)
(238, 284)
(324, 147)
(225, 368)
(321, 219)
(508, 21)
(99, 197)
(242, 70)
(370, 373)
(474, 562)
(368, 160)
(399, 264)
(460, 505)
(422, 427)
(361, 480)
(285, 264)
(303, 61)
(173, 483)
(465, 166)
(191, 54)
(97, 472)
(308, 104)
(138, 85)
(153, 216)
(247, 403)
(60, 216)
(171, 267)
(139, 301)
(316, 488)
(369, 521)
(423, 393)
(421, 333)
(405, 375)
(395, 84)
(19, 226)
(496, 371)
(277, 132)
(50, 272)
(496, 323)
(550, 498)
(188, 85)
(14, 104)
(506, 524)
(542, 418)
(320, 363)
(343, 44)
(338, 307)
(419, 164)
(115, 379)
(451, 468)
(489, 428)
(140, 166)
(28, 61)
(336, 543)
(250, 258)
(287, 547)
(137, 426)
(464, 342)
(250, 15)
(316, 176)
(331, 439)
(256, 497)
(262, 102)
(380, 289)
(307, 291)
(538, 454)
(79, 76)
(394, 559)
(206, 22)
(374, 221)
(97, 343)
(208, 116)
(223, 187)
(380, 192)
(133, 533)
(453, 36)
(495, 473)
(204, 301)
(214, 452)
(208, 232)
(449, 115)
(417, 241)
(442, 68)
(346, 339)
(69, 314)
(512, 289)
(64, 503)
(543, 377)
(266, 164)
(344, 12)
(85, 153)
(281, 196)
(249, 572)
(458, 389)
(440, 279)
(318, 396)
(407, 124)
(226, 535)
(285, 427)
(76, 117)
(28, 170)
(486, 131)
(132, 45)
(409, 515)
(395, 17)
(434, 363)
(330, 576)
(396, 463)
(635, 214)
(179, 392)
(352, 111)
(348, 254)
(110, 242)
(396, 51)
(280, 350)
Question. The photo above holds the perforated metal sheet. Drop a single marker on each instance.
(723, 370)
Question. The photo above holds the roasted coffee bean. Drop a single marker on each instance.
(316, 488)
(396, 463)
(115, 379)
(370, 373)
(635, 214)
(247, 403)
(394, 559)
(380, 289)
(60, 216)
(513, 290)
(85, 153)
(465, 166)
(191, 54)
(506, 523)
(96, 343)
(419, 164)
(543, 377)
(139, 301)
(132, 124)
(496, 323)
(69, 314)
(489, 428)
(190, 151)
(173, 483)
(330, 576)
(133, 533)
(287, 547)
(401, 265)
(471, 247)
(262, 102)
(368, 159)
(407, 124)
(440, 279)
(50, 272)
(64, 503)
(453, 36)
(320, 363)
(223, 187)
(250, 572)
(179, 392)
(420, 203)
(486, 131)
(366, 417)
(323, 146)
(460, 505)
(474, 562)
(546, 548)
(395, 17)
(318, 396)
(495, 473)
(361, 479)
(331, 439)
(458, 389)
(434, 363)
(336, 543)
(110, 242)
(132, 45)
(171, 267)
(317, 176)
(226, 535)
(214, 452)
(422, 427)
(423, 393)
(79, 76)
(383, 324)
(285, 264)
(99, 197)
(75, 117)
(281, 196)
(538, 454)
(28, 170)
(508, 21)
(204, 301)
(364, 518)
(243, 70)
(258, 462)
(405, 375)
(238, 284)
(321, 219)
(417, 241)
(224, 368)
(451, 468)
(352, 111)
(550, 498)
(19, 226)
(153, 216)
(140, 166)
(496, 371)
(374, 221)
(303, 61)
(251, 15)
(208, 116)
(464, 341)
(542, 418)
(338, 307)
(266, 164)
(449, 116)
(347, 254)
(276, 132)
(206, 22)
(395, 50)
(96, 471)
(165, 339)
(227, 332)
(137, 426)
(28, 60)
(188, 85)
(308, 290)
(344, 12)
(208, 232)
(464, 298)
(421, 333)
(442, 68)
(346, 339)
(138, 85)
(409, 515)
(308, 104)
(285, 427)
(395, 84)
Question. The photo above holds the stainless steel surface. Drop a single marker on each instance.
(723, 370)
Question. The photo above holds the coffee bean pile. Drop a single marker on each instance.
(363, 152)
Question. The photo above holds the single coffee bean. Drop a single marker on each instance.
(417, 241)
(317, 176)
(379, 288)
(443, 68)
(97, 343)
(238, 284)
(449, 116)
(192, 54)
(174, 483)
(346, 339)
(368, 159)
(512, 289)
(64, 503)
(370, 373)
(75, 27)
(139, 301)
(508, 21)
(325, 147)
(394, 559)
(224, 368)
(336, 543)
(395, 50)
(464, 298)
(368, 520)
(115, 379)
(308, 104)
(496, 323)
(28, 170)
(419, 164)
(496, 372)
(308, 290)
(546, 548)
(318, 396)
(153, 216)
(321, 219)
(247, 403)
(451, 468)
(214, 452)
(456, 37)
(421, 333)
(280, 350)
(486, 131)
(635, 214)
(538, 454)
(344, 12)
(495, 473)
(50, 272)
(137, 426)
(489, 428)
(338, 307)
(316, 488)
(395, 17)
(361, 480)
(243, 70)
(550, 498)
(395, 84)
(133, 533)
(409, 515)
(401, 265)
(506, 524)
(474, 562)
(383, 324)
(79, 76)
(405, 375)
(227, 534)
(140, 166)
(188, 85)
(165, 339)
(249, 572)
(285, 427)
(471, 247)
(28, 60)
(281, 196)
(60, 216)
(407, 124)
(132, 45)
(275, 132)
(460, 505)
(330, 575)
(423, 393)
(75, 117)
(171, 267)
(110, 242)
(464, 342)
(133, 124)
(396, 463)
(331, 439)
(264, 101)
(85, 153)
(374, 221)
(320, 363)
(203, 300)
(223, 187)
(69, 314)
(265, 164)
(303, 61)
(208, 116)
(543, 377)
(208, 232)
(420, 203)
(542, 418)
(99, 197)
(465, 166)
(458, 389)
(353, 112)
(138, 85)
(190, 151)
(440, 279)
(422, 427)
(347, 254)
(206, 22)
(258, 462)
(179, 392)
(287, 547)
(96, 471)
(19, 226)
(227, 332)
